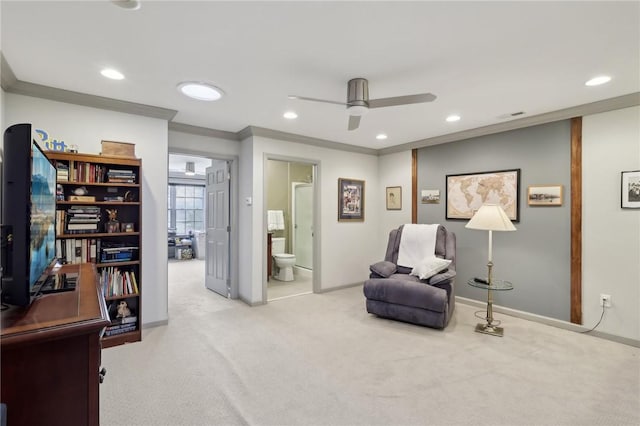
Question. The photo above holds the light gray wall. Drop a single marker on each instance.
(611, 235)
(535, 258)
(86, 127)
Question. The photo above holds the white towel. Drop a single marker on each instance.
(275, 220)
(417, 242)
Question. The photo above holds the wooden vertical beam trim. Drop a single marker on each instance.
(576, 220)
(414, 186)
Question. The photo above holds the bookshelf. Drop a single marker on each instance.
(99, 220)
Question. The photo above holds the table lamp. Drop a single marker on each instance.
(490, 217)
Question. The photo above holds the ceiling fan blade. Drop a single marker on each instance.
(402, 100)
(315, 100)
(354, 121)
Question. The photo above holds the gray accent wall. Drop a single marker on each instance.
(537, 257)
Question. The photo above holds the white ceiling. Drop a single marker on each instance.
(482, 59)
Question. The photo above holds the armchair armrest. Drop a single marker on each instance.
(382, 269)
(446, 275)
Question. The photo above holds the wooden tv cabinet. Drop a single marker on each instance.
(50, 355)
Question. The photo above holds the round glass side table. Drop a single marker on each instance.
(496, 285)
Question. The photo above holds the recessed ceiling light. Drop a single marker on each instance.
(381, 136)
(112, 74)
(200, 91)
(127, 4)
(596, 81)
(290, 115)
(453, 118)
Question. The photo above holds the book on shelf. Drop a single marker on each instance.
(85, 198)
(116, 282)
(115, 331)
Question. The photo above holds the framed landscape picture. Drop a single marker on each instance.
(350, 200)
(544, 195)
(631, 189)
(430, 196)
(466, 193)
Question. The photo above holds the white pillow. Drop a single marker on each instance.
(429, 267)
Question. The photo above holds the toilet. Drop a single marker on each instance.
(284, 262)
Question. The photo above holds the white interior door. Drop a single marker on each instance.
(218, 229)
(303, 225)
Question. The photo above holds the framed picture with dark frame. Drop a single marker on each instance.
(350, 200)
(630, 187)
(394, 198)
(467, 192)
(544, 195)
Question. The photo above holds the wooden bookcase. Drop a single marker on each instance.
(51, 355)
(89, 187)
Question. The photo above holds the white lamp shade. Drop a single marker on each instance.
(491, 217)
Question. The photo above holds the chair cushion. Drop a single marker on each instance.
(383, 268)
(406, 292)
(429, 267)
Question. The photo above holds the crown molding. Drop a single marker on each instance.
(203, 131)
(625, 101)
(11, 84)
(292, 137)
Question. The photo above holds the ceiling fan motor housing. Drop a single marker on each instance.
(358, 96)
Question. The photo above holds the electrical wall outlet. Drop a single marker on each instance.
(605, 300)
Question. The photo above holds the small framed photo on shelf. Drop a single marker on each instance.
(112, 227)
(545, 195)
(631, 189)
(350, 200)
(394, 198)
(127, 227)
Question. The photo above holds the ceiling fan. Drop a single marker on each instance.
(358, 102)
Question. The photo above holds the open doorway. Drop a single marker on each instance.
(194, 246)
(186, 204)
(289, 201)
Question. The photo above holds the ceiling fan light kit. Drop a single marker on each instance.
(358, 102)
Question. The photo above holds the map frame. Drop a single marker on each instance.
(509, 175)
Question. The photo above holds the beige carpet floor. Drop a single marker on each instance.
(320, 359)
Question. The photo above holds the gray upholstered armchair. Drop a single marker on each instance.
(391, 291)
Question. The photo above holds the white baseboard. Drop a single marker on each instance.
(303, 272)
(550, 321)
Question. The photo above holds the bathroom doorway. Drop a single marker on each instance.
(289, 201)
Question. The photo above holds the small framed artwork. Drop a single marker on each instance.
(127, 227)
(112, 227)
(394, 198)
(430, 196)
(350, 200)
(631, 189)
(544, 195)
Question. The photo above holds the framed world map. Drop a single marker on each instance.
(466, 193)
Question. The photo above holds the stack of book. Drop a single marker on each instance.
(62, 171)
(121, 176)
(116, 252)
(121, 325)
(82, 219)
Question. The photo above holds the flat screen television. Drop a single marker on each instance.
(28, 217)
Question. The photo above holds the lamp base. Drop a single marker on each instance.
(490, 329)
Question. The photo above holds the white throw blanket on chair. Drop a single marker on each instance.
(417, 243)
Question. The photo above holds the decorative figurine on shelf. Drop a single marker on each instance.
(80, 191)
(112, 225)
(123, 309)
(129, 196)
(59, 192)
